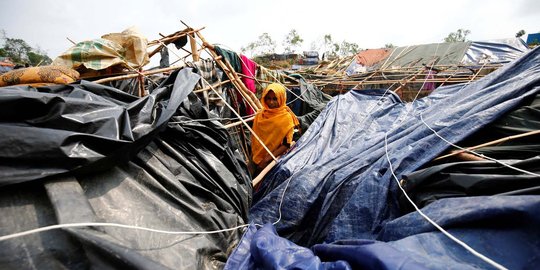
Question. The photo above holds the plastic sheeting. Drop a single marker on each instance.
(524, 119)
(50, 131)
(449, 53)
(337, 183)
(90, 153)
(494, 51)
(457, 178)
(499, 51)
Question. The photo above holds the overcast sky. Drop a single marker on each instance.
(235, 23)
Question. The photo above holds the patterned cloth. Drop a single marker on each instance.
(39, 76)
(263, 75)
(273, 125)
(208, 70)
(127, 49)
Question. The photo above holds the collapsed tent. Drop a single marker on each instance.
(91, 154)
(441, 54)
(406, 70)
(337, 191)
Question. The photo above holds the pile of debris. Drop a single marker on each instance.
(108, 164)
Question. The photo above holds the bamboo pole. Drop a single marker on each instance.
(266, 169)
(194, 52)
(209, 88)
(251, 96)
(244, 144)
(227, 68)
(239, 122)
(263, 173)
(129, 76)
(447, 79)
(174, 36)
(398, 90)
(505, 139)
(169, 39)
(141, 84)
(367, 78)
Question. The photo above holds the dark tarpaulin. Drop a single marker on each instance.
(457, 178)
(105, 156)
(472, 178)
(521, 120)
(337, 183)
(53, 130)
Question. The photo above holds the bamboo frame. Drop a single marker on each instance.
(239, 122)
(227, 68)
(209, 88)
(133, 75)
(505, 139)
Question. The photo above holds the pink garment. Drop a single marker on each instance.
(248, 68)
(429, 86)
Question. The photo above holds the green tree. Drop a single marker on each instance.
(328, 44)
(348, 48)
(459, 36)
(17, 50)
(20, 52)
(38, 59)
(292, 41)
(263, 45)
(520, 33)
(389, 46)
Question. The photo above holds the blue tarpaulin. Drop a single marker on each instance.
(533, 39)
(338, 185)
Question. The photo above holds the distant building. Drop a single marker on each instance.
(533, 39)
(6, 64)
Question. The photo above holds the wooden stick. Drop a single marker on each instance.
(129, 76)
(173, 36)
(194, 52)
(209, 88)
(263, 173)
(398, 90)
(239, 122)
(367, 78)
(469, 157)
(534, 132)
(242, 86)
(71, 41)
(250, 98)
(141, 84)
(168, 39)
(266, 169)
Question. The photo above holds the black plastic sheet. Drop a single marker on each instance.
(89, 153)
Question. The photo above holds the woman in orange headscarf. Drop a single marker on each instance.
(275, 125)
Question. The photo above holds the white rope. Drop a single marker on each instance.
(450, 236)
(106, 224)
(453, 238)
(478, 154)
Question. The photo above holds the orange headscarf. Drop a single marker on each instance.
(272, 125)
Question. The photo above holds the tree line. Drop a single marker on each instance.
(21, 53)
(292, 42)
